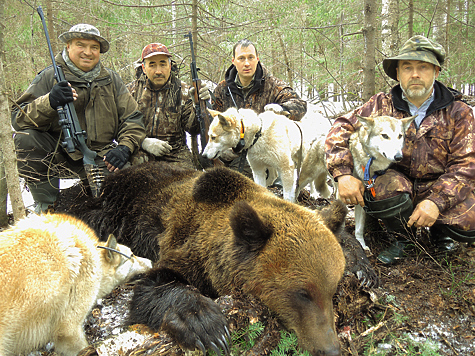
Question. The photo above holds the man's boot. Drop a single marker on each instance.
(444, 236)
(441, 240)
(44, 194)
(394, 213)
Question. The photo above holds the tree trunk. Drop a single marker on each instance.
(439, 23)
(286, 59)
(390, 27)
(49, 17)
(194, 25)
(410, 21)
(7, 145)
(369, 31)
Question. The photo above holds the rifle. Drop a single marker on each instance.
(202, 114)
(74, 136)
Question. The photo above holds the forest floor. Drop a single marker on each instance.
(424, 306)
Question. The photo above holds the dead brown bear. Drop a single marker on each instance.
(217, 231)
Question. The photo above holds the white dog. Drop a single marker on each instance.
(380, 138)
(273, 143)
(51, 274)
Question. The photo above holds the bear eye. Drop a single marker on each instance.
(386, 137)
(304, 295)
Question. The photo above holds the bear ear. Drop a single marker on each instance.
(250, 231)
(221, 185)
(334, 216)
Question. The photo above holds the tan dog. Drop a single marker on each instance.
(51, 274)
(380, 137)
(273, 142)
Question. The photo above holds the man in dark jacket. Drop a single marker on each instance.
(248, 84)
(105, 110)
(167, 108)
(433, 185)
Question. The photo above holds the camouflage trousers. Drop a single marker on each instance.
(392, 183)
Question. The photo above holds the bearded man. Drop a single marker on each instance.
(433, 185)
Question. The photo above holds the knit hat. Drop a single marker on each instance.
(89, 32)
(417, 48)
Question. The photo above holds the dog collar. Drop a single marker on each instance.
(241, 142)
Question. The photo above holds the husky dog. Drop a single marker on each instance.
(273, 143)
(380, 138)
(51, 274)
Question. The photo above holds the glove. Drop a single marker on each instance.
(118, 156)
(277, 109)
(60, 94)
(156, 147)
(203, 93)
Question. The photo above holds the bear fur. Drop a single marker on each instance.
(212, 232)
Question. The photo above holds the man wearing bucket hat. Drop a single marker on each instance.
(167, 108)
(105, 110)
(433, 185)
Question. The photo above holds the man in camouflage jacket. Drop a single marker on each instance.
(248, 84)
(437, 172)
(167, 109)
(105, 110)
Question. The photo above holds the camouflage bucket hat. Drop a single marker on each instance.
(417, 48)
(86, 31)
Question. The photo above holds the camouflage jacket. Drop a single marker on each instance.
(441, 150)
(167, 112)
(105, 109)
(266, 90)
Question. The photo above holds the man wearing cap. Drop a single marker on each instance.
(248, 84)
(105, 110)
(433, 185)
(167, 108)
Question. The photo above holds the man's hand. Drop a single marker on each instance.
(156, 147)
(203, 93)
(61, 94)
(424, 215)
(116, 158)
(351, 190)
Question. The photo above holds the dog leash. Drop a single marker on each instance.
(369, 182)
(299, 161)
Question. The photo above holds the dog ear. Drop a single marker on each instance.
(407, 122)
(225, 122)
(367, 122)
(112, 244)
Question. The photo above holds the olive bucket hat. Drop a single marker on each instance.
(85, 31)
(417, 48)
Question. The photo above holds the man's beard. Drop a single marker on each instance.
(415, 94)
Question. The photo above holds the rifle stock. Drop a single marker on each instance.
(74, 136)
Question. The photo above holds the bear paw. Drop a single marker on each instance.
(196, 322)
